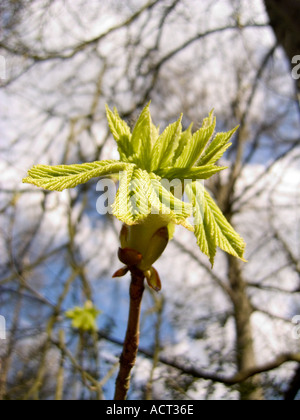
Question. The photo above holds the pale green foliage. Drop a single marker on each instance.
(170, 207)
(143, 137)
(185, 138)
(166, 145)
(121, 133)
(141, 193)
(201, 172)
(58, 178)
(211, 228)
(196, 144)
(145, 158)
(84, 319)
(217, 148)
(131, 205)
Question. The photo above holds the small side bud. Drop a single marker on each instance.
(129, 256)
(124, 236)
(121, 273)
(153, 279)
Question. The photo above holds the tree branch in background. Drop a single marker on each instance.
(238, 378)
(294, 386)
(284, 18)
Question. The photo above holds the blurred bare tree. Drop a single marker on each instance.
(284, 19)
(225, 333)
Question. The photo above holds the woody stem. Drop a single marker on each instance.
(131, 343)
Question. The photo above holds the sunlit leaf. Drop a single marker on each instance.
(164, 202)
(60, 177)
(166, 145)
(212, 230)
(185, 138)
(217, 148)
(201, 172)
(195, 147)
(131, 205)
(143, 137)
(121, 133)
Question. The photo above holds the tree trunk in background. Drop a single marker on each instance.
(244, 345)
(245, 356)
(284, 18)
(294, 386)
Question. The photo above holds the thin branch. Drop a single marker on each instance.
(65, 55)
(260, 177)
(237, 378)
(272, 288)
(238, 166)
(199, 36)
(86, 376)
(159, 306)
(270, 315)
(131, 343)
(216, 279)
(240, 376)
(60, 373)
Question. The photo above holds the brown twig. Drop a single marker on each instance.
(131, 343)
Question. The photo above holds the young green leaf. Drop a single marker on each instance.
(60, 177)
(212, 230)
(143, 137)
(217, 148)
(185, 138)
(141, 193)
(166, 145)
(194, 148)
(202, 172)
(164, 203)
(121, 133)
(131, 205)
